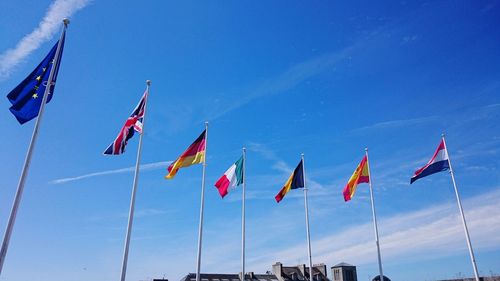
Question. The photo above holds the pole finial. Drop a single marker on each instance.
(206, 123)
(442, 135)
(302, 154)
(148, 82)
(366, 149)
(66, 21)
(244, 149)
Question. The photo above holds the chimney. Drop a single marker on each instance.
(278, 270)
(321, 268)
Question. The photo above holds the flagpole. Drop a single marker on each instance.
(134, 191)
(307, 221)
(243, 215)
(466, 230)
(375, 227)
(202, 205)
(27, 161)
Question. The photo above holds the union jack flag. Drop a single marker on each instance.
(133, 123)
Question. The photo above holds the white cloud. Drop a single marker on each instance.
(150, 166)
(425, 234)
(45, 30)
(419, 235)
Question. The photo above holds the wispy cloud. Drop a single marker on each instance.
(493, 105)
(144, 167)
(45, 30)
(304, 70)
(141, 213)
(396, 123)
(287, 80)
(317, 189)
(269, 154)
(477, 113)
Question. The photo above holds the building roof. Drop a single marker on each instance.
(342, 264)
(377, 278)
(229, 277)
(288, 272)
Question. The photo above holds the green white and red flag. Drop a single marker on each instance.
(231, 178)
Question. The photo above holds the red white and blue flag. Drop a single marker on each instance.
(133, 124)
(438, 163)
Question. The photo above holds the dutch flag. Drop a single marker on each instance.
(438, 163)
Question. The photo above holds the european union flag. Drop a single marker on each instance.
(26, 98)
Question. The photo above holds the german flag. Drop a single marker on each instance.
(360, 175)
(195, 154)
(296, 180)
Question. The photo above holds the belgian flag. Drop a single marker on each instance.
(296, 180)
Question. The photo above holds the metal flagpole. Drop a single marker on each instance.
(469, 245)
(375, 227)
(243, 215)
(307, 221)
(202, 205)
(27, 160)
(134, 191)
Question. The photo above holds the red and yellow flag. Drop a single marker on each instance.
(360, 175)
(195, 154)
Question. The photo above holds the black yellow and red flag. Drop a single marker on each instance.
(296, 180)
(195, 154)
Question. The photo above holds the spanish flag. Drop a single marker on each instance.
(360, 175)
(296, 180)
(193, 155)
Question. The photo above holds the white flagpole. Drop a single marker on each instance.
(375, 227)
(469, 245)
(27, 161)
(243, 215)
(202, 205)
(134, 191)
(307, 221)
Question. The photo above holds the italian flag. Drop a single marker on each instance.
(231, 178)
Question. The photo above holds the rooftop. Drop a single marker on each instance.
(342, 264)
(230, 277)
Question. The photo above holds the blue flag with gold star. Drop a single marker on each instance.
(26, 98)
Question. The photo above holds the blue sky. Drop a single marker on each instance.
(283, 77)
